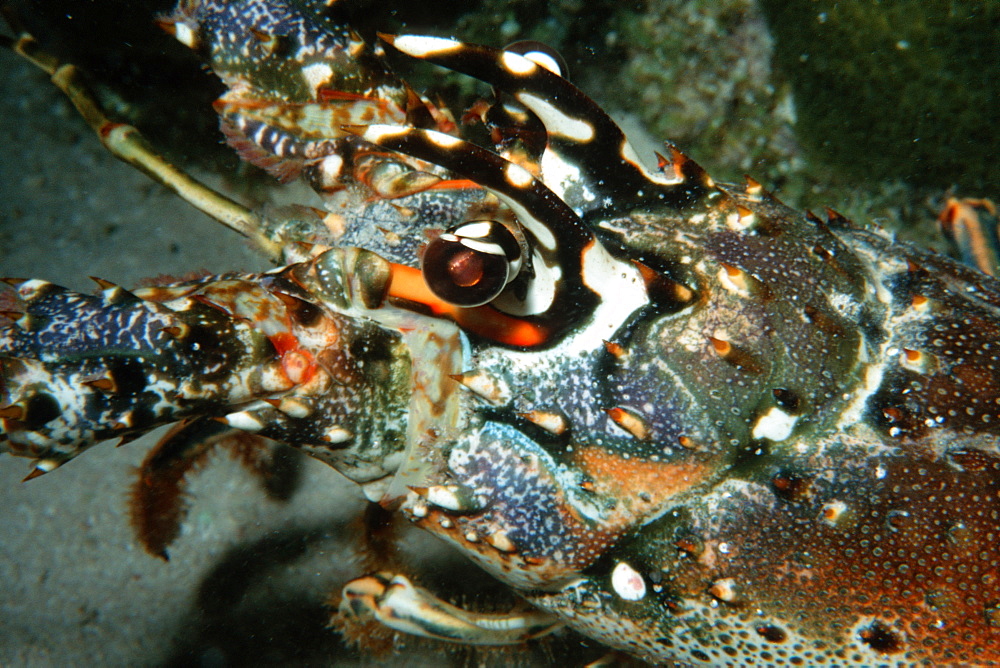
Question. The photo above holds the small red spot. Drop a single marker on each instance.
(108, 128)
(298, 366)
(284, 342)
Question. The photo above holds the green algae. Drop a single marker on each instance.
(904, 89)
(878, 109)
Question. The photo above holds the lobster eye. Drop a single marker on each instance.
(469, 265)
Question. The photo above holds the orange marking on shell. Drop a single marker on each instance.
(407, 283)
(646, 484)
(326, 95)
(647, 273)
(299, 365)
(103, 384)
(455, 184)
(677, 160)
(173, 331)
(724, 590)
(892, 414)
(689, 545)
(615, 349)
(284, 342)
(723, 348)
(731, 270)
(476, 112)
(501, 541)
(656, 282)
(12, 412)
(833, 216)
(630, 422)
(552, 422)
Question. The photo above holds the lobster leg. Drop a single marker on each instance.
(397, 603)
(971, 226)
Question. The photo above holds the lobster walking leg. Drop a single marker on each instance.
(396, 602)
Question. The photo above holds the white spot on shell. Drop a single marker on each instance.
(556, 122)
(46, 465)
(419, 46)
(477, 229)
(517, 64)
(627, 582)
(185, 35)
(444, 496)
(545, 60)
(245, 421)
(734, 282)
(443, 140)
(518, 176)
(500, 541)
(317, 75)
(775, 425)
(374, 133)
(832, 512)
(330, 169)
(338, 435)
(735, 221)
(724, 589)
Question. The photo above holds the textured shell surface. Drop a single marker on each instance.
(696, 425)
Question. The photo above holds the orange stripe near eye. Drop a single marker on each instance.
(408, 283)
(455, 184)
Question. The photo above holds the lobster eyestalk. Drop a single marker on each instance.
(293, 355)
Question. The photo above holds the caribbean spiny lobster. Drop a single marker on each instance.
(673, 415)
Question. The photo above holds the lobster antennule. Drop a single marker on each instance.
(581, 135)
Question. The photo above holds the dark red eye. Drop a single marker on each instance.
(471, 264)
(467, 268)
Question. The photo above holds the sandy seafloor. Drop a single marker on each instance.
(248, 576)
